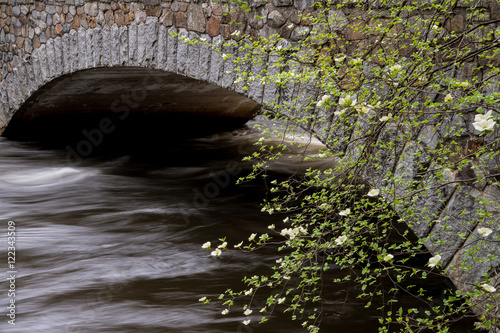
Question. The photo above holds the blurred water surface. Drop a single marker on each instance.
(113, 243)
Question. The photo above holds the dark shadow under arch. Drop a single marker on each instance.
(128, 105)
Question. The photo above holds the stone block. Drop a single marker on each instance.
(337, 20)
(115, 45)
(21, 80)
(216, 63)
(229, 48)
(205, 57)
(271, 90)
(172, 49)
(429, 204)
(141, 44)
(97, 47)
(456, 222)
(275, 19)
(44, 67)
(58, 56)
(256, 88)
(4, 100)
(89, 35)
(106, 46)
(240, 85)
(213, 26)
(66, 53)
(196, 19)
(30, 75)
(300, 33)
(151, 39)
(193, 68)
(471, 262)
(182, 51)
(82, 49)
(15, 99)
(303, 4)
(161, 54)
(49, 47)
(132, 44)
(282, 3)
(123, 42)
(36, 67)
(181, 20)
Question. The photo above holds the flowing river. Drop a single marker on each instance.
(112, 243)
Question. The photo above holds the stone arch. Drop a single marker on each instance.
(149, 46)
(41, 41)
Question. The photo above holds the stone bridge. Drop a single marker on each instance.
(128, 57)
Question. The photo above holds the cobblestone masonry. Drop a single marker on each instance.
(40, 41)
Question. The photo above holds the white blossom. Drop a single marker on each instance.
(486, 116)
(386, 118)
(340, 113)
(434, 261)
(291, 233)
(247, 312)
(345, 212)
(357, 61)
(340, 240)
(236, 33)
(488, 288)
(264, 309)
(323, 100)
(388, 257)
(216, 252)
(239, 244)
(222, 246)
(290, 26)
(345, 101)
(484, 125)
(203, 299)
(485, 232)
(225, 311)
(246, 322)
(252, 237)
(206, 245)
(395, 68)
(448, 98)
(361, 108)
(281, 300)
(248, 292)
(340, 59)
(271, 227)
(373, 192)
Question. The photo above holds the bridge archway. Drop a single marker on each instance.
(131, 101)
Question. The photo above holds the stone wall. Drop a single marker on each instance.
(26, 25)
